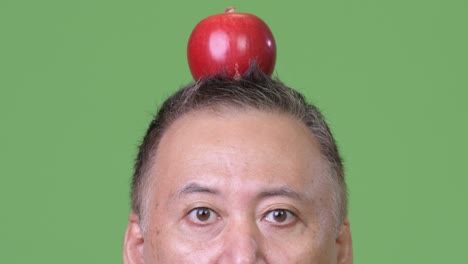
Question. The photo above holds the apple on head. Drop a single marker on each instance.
(230, 42)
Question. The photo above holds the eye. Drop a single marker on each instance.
(202, 215)
(280, 216)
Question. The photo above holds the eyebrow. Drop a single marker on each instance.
(192, 188)
(196, 188)
(284, 192)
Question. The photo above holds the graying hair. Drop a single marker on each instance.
(253, 90)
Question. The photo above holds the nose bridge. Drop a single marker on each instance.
(242, 241)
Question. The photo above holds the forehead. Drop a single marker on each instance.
(272, 146)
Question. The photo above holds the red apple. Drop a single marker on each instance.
(230, 42)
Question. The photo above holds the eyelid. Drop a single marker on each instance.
(191, 214)
(291, 216)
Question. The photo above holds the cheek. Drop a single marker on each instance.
(301, 254)
(308, 246)
(166, 244)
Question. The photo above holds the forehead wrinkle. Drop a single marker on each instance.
(251, 153)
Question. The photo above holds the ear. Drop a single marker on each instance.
(133, 242)
(344, 244)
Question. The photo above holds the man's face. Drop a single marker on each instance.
(239, 187)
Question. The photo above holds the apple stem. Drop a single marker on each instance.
(230, 9)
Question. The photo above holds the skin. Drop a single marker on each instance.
(238, 187)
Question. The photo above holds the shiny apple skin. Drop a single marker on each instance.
(230, 42)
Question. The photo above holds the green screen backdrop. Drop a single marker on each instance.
(80, 81)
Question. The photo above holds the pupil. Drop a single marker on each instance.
(280, 215)
(203, 214)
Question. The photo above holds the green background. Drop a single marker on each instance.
(80, 81)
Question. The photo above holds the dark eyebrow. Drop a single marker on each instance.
(282, 191)
(196, 188)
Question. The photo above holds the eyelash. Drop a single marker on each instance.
(193, 215)
(213, 216)
(290, 217)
